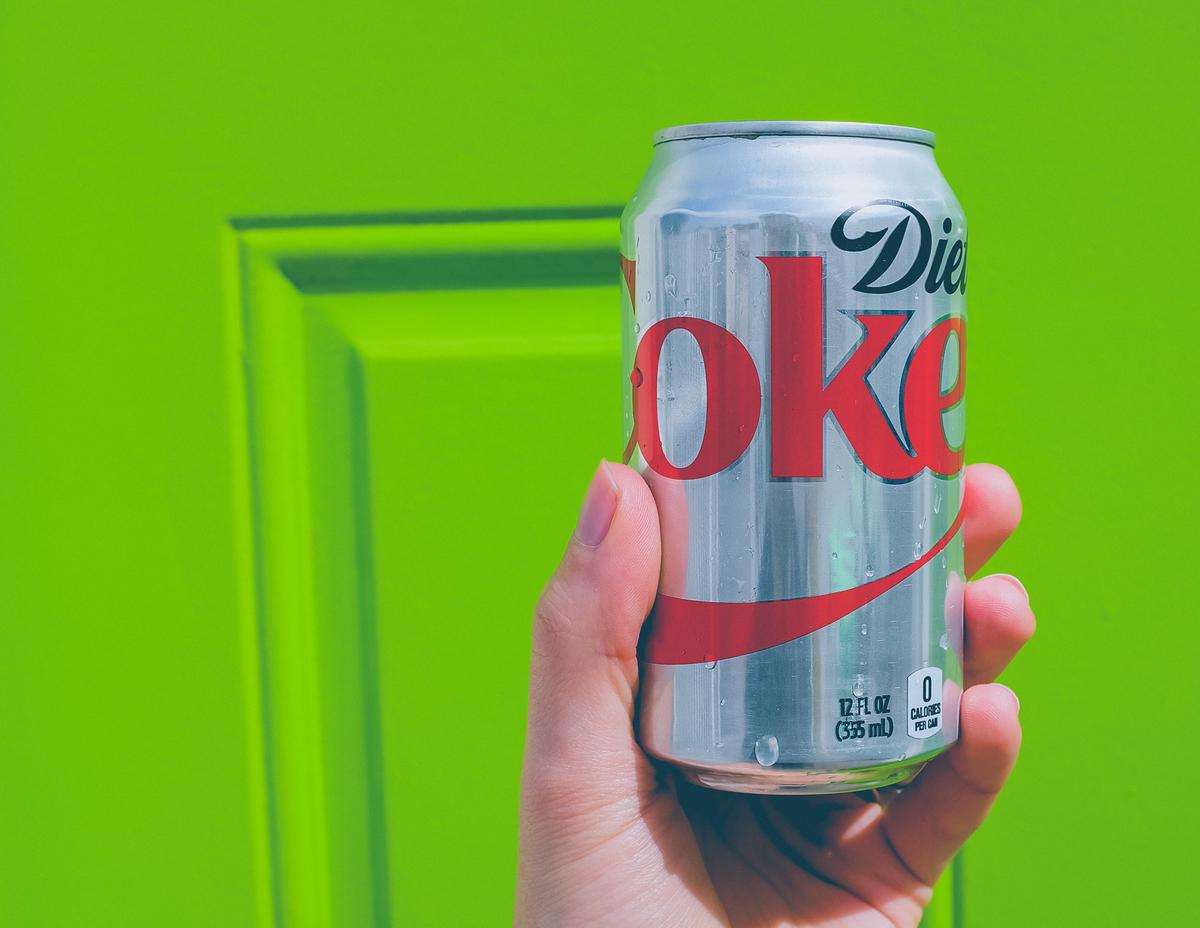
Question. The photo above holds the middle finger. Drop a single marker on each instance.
(997, 622)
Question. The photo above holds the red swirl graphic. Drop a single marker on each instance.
(689, 631)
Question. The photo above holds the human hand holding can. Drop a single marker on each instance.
(610, 836)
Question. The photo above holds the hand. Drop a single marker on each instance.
(609, 838)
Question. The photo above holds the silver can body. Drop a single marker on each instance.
(795, 342)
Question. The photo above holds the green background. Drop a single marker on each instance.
(276, 506)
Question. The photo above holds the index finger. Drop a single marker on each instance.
(991, 511)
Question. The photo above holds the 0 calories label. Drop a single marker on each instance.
(925, 702)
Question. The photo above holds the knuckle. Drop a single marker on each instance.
(548, 613)
(553, 614)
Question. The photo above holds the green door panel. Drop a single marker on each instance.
(308, 346)
(413, 397)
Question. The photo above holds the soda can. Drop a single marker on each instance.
(794, 337)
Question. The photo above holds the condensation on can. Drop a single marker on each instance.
(794, 345)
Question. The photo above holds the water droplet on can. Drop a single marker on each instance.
(710, 662)
(635, 377)
(944, 641)
(669, 283)
(937, 503)
(917, 549)
(870, 571)
(834, 555)
(860, 685)
(722, 702)
(766, 750)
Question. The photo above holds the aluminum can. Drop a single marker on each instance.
(794, 340)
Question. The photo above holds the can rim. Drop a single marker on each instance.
(756, 128)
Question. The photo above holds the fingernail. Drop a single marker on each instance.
(599, 506)
(1015, 582)
(1016, 700)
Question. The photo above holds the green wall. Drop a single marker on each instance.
(166, 759)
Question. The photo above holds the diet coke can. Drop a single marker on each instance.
(794, 336)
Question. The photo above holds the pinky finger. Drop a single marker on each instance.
(929, 821)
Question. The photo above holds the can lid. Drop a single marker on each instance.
(750, 130)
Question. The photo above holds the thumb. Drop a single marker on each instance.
(583, 676)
